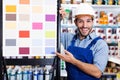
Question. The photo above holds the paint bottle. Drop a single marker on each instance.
(30, 73)
(110, 2)
(47, 76)
(63, 1)
(73, 1)
(37, 57)
(118, 2)
(99, 2)
(9, 71)
(25, 74)
(35, 74)
(47, 72)
(41, 72)
(19, 74)
(13, 75)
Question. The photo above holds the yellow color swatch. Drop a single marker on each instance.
(50, 34)
(10, 8)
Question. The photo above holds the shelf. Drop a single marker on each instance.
(106, 6)
(68, 26)
(94, 6)
(113, 75)
(95, 26)
(109, 74)
(115, 60)
(41, 62)
(64, 74)
(107, 26)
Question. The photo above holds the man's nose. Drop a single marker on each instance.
(84, 24)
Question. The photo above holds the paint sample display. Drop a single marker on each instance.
(29, 27)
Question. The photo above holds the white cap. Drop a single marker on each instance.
(84, 9)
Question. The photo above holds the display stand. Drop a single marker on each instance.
(3, 70)
(0, 67)
(55, 62)
(0, 41)
(58, 39)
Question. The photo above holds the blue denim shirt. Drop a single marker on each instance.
(100, 49)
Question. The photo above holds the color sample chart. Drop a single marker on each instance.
(29, 27)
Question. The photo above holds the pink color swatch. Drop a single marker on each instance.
(37, 26)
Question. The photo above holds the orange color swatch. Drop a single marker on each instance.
(24, 34)
(24, 1)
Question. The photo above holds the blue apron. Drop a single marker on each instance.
(84, 55)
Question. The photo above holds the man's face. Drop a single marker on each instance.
(84, 24)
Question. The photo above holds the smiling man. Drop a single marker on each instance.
(86, 54)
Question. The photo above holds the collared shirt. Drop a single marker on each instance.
(100, 49)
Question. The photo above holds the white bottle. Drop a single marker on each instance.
(35, 74)
(13, 75)
(62, 49)
(19, 74)
(47, 76)
(41, 72)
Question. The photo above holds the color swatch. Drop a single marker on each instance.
(10, 8)
(29, 27)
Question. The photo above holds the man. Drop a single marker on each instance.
(86, 54)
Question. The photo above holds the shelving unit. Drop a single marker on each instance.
(41, 62)
(95, 26)
(94, 6)
(113, 75)
(107, 8)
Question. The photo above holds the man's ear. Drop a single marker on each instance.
(75, 21)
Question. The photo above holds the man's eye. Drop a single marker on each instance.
(89, 21)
